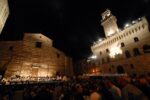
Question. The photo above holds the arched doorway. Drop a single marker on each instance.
(120, 70)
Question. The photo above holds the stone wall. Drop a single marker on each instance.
(112, 51)
(34, 57)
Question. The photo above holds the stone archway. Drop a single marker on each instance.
(120, 70)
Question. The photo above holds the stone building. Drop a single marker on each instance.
(123, 51)
(4, 12)
(34, 56)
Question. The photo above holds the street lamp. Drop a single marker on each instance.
(93, 57)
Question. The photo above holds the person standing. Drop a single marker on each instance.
(115, 91)
(129, 91)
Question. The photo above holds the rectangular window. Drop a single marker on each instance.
(38, 44)
(127, 53)
(136, 51)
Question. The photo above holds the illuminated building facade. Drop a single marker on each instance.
(34, 56)
(4, 12)
(123, 51)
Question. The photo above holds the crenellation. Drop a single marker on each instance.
(125, 47)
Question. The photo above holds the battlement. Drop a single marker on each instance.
(109, 23)
(106, 14)
(141, 24)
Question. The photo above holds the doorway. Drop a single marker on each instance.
(120, 70)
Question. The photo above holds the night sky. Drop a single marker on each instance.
(72, 24)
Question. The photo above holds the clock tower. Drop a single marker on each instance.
(109, 23)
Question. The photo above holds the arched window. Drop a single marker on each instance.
(127, 53)
(122, 44)
(136, 51)
(136, 39)
(107, 50)
(120, 70)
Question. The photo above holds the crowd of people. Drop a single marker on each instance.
(99, 88)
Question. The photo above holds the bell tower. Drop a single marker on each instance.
(109, 23)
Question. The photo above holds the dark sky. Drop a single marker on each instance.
(72, 24)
